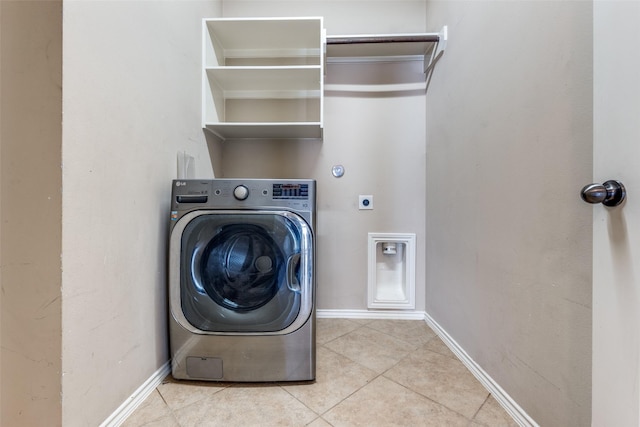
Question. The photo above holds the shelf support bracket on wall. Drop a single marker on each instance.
(438, 51)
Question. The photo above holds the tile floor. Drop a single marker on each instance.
(369, 373)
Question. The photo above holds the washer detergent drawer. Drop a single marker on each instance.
(241, 271)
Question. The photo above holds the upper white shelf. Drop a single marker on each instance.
(262, 38)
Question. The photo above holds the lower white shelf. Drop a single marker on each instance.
(238, 130)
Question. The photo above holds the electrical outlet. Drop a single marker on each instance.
(365, 202)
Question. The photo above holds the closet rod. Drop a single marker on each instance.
(418, 38)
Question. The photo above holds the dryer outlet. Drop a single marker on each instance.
(365, 202)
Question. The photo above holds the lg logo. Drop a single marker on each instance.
(180, 183)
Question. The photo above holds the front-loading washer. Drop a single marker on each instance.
(242, 280)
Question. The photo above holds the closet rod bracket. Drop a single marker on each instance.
(437, 52)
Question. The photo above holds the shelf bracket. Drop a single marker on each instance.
(438, 51)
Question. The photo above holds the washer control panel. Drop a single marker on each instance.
(291, 191)
(233, 193)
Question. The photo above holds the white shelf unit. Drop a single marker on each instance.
(263, 77)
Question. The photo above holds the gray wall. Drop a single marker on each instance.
(131, 103)
(30, 212)
(379, 137)
(509, 145)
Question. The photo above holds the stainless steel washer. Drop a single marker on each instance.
(241, 280)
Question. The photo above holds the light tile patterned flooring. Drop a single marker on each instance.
(369, 373)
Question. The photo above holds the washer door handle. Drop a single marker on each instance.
(292, 280)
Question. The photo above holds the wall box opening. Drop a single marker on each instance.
(391, 271)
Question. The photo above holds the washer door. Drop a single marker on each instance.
(243, 271)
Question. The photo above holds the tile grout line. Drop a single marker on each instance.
(321, 415)
(422, 395)
(173, 415)
(382, 374)
(480, 408)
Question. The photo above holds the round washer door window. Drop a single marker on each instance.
(240, 267)
(245, 272)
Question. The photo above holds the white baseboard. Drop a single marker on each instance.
(509, 405)
(370, 314)
(138, 396)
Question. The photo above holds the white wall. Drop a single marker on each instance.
(378, 138)
(509, 145)
(341, 16)
(131, 102)
(616, 247)
(30, 214)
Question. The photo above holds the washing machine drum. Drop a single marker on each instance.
(240, 267)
